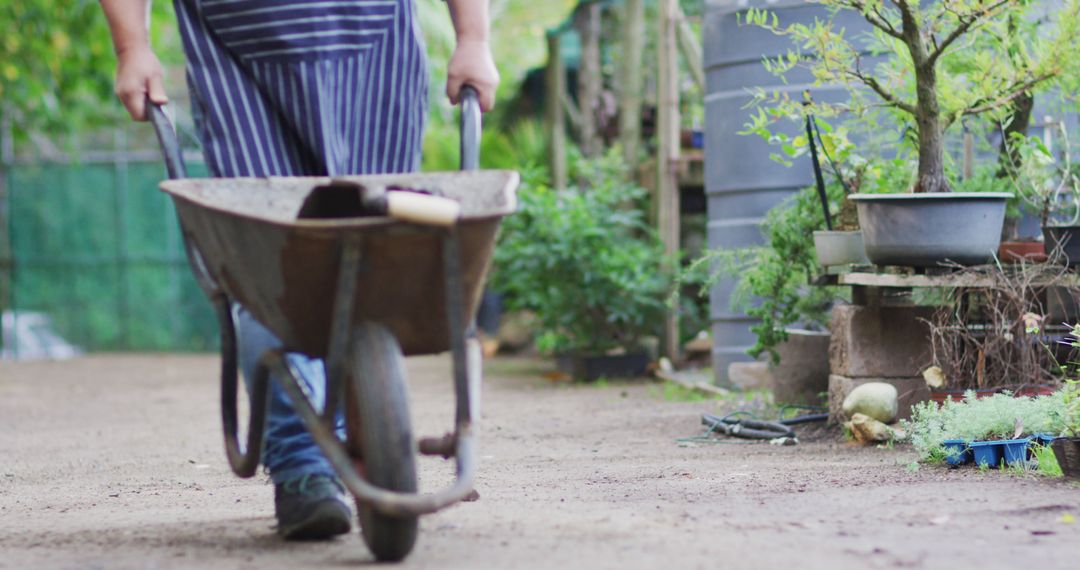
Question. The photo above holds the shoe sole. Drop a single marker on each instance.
(327, 520)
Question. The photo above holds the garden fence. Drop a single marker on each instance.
(91, 243)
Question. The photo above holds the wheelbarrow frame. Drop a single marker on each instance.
(464, 347)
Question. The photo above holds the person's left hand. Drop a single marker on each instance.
(473, 65)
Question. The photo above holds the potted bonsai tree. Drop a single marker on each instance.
(927, 65)
(587, 264)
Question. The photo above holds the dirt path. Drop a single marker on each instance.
(116, 462)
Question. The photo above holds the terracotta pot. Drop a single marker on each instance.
(939, 396)
(1017, 251)
(1040, 390)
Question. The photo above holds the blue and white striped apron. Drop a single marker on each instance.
(306, 87)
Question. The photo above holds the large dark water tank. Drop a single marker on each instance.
(741, 182)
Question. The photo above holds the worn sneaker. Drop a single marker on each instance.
(312, 507)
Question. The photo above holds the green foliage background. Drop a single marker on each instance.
(584, 261)
(98, 250)
(95, 244)
(57, 62)
(773, 280)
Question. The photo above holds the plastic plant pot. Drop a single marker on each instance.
(927, 229)
(1067, 453)
(1066, 238)
(957, 451)
(1014, 450)
(1043, 438)
(987, 453)
(840, 248)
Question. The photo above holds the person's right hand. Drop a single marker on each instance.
(139, 74)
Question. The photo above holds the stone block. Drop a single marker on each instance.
(911, 391)
(750, 375)
(802, 376)
(890, 342)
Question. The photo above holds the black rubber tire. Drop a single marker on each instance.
(381, 431)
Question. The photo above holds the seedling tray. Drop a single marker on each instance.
(957, 452)
(992, 453)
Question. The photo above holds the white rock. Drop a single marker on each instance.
(875, 399)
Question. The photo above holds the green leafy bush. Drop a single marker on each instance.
(583, 260)
(522, 146)
(773, 281)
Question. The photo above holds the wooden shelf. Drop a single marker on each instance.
(907, 278)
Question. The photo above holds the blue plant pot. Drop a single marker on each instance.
(1043, 438)
(697, 139)
(957, 451)
(1014, 450)
(987, 453)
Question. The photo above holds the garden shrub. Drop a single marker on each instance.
(584, 260)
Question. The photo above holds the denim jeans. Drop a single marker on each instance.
(289, 452)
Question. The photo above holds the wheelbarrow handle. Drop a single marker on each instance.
(470, 128)
(166, 135)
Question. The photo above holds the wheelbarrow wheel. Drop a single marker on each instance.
(380, 436)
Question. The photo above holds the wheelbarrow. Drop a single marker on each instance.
(360, 292)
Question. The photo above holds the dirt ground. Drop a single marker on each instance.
(116, 462)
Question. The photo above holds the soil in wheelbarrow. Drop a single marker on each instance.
(116, 462)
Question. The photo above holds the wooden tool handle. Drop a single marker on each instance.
(422, 208)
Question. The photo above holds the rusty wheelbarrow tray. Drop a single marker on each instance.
(360, 293)
(285, 270)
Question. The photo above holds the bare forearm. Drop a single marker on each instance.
(471, 19)
(138, 72)
(129, 22)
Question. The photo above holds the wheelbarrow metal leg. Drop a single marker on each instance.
(387, 502)
(465, 349)
(341, 321)
(243, 460)
(463, 344)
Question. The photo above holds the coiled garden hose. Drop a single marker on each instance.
(746, 428)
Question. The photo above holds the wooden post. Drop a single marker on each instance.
(630, 81)
(555, 87)
(590, 81)
(667, 160)
(691, 50)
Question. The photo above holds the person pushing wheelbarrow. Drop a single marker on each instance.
(301, 88)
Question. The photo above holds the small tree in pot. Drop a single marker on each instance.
(938, 63)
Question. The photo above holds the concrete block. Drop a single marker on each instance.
(750, 375)
(802, 377)
(891, 342)
(910, 390)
